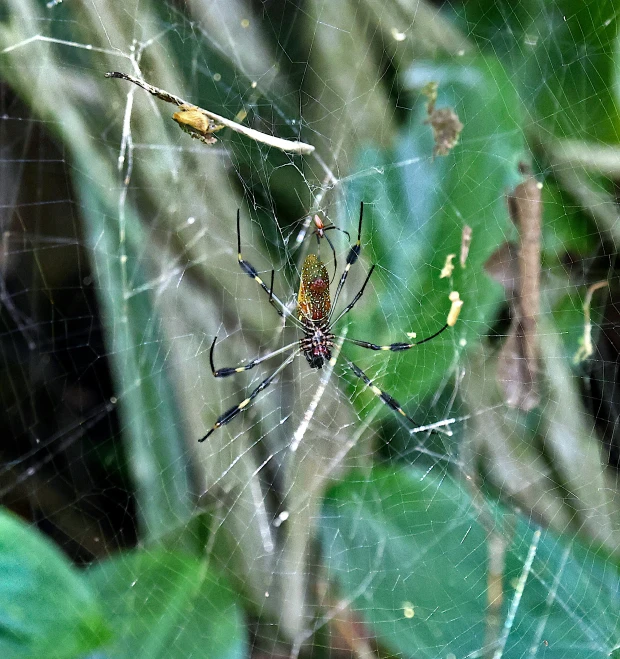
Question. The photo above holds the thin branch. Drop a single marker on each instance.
(191, 121)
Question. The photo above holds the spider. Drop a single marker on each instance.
(315, 311)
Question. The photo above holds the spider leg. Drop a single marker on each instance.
(397, 347)
(321, 233)
(230, 414)
(352, 256)
(333, 226)
(356, 298)
(333, 250)
(388, 400)
(273, 272)
(250, 270)
(226, 371)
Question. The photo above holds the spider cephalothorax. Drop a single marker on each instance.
(314, 318)
(316, 344)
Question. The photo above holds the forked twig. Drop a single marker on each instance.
(201, 123)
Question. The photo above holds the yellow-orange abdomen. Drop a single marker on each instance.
(313, 301)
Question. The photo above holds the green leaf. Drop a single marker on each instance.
(569, 67)
(411, 549)
(419, 208)
(46, 607)
(170, 605)
(570, 320)
(568, 235)
(561, 54)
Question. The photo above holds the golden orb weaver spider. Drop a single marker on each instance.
(314, 318)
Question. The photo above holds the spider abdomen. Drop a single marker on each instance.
(313, 302)
(313, 305)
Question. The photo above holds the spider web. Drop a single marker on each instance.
(318, 522)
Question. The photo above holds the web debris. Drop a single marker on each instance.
(444, 122)
(201, 123)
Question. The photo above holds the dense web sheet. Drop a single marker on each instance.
(331, 523)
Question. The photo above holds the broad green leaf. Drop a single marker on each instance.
(411, 549)
(570, 319)
(561, 55)
(568, 235)
(418, 208)
(569, 67)
(46, 607)
(169, 605)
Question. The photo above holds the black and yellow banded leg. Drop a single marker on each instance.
(352, 257)
(230, 414)
(397, 347)
(250, 270)
(226, 371)
(392, 403)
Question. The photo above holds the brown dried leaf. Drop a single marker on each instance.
(519, 273)
(446, 130)
(465, 244)
(516, 374)
(503, 267)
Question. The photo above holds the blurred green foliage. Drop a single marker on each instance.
(48, 610)
(165, 604)
(411, 550)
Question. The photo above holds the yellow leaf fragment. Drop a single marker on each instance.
(455, 309)
(448, 267)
